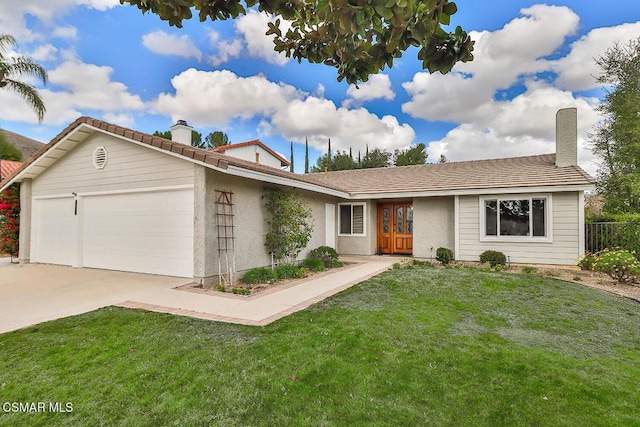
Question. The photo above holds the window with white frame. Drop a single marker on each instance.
(522, 217)
(352, 219)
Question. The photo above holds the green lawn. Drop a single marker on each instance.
(409, 347)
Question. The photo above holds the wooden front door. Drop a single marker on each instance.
(395, 228)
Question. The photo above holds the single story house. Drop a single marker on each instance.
(103, 196)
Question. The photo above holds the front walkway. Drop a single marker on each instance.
(32, 293)
(261, 309)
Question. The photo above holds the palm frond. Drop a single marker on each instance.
(6, 41)
(30, 94)
(21, 66)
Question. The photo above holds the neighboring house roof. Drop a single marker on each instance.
(530, 171)
(7, 167)
(254, 142)
(470, 177)
(27, 146)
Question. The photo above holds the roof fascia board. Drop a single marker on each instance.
(472, 192)
(279, 180)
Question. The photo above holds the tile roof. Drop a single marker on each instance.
(257, 142)
(7, 167)
(530, 171)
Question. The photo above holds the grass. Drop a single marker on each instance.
(409, 347)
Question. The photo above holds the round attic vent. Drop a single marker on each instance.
(100, 157)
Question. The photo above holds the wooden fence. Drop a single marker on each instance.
(602, 235)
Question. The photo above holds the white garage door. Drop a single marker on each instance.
(54, 237)
(150, 232)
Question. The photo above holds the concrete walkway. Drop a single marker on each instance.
(31, 294)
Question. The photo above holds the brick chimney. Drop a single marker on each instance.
(567, 137)
(181, 132)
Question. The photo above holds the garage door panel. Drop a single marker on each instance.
(54, 237)
(142, 232)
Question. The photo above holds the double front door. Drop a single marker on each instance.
(395, 228)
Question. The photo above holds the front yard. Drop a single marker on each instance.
(409, 347)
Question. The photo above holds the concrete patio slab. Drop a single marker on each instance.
(30, 294)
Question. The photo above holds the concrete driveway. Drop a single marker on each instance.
(32, 293)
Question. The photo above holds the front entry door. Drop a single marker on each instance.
(395, 228)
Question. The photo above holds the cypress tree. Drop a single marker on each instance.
(306, 155)
(291, 165)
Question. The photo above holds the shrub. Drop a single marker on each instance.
(493, 258)
(259, 275)
(326, 254)
(241, 291)
(586, 262)
(288, 271)
(335, 264)
(313, 264)
(621, 265)
(444, 255)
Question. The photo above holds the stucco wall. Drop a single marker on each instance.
(563, 249)
(359, 245)
(129, 166)
(433, 225)
(250, 218)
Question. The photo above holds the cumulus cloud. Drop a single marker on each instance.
(163, 43)
(250, 37)
(68, 32)
(46, 52)
(378, 87)
(490, 126)
(215, 98)
(12, 13)
(75, 88)
(576, 71)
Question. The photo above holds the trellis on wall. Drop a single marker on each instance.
(226, 236)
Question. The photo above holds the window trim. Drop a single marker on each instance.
(364, 220)
(548, 216)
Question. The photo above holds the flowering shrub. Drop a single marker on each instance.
(10, 220)
(621, 265)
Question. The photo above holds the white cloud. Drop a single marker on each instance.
(214, 98)
(578, 69)
(490, 125)
(250, 37)
(253, 27)
(46, 52)
(68, 32)
(12, 13)
(226, 49)
(378, 87)
(163, 43)
(501, 58)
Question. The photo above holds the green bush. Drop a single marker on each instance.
(313, 264)
(288, 271)
(586, 262)
(326, 254)
(259, 275)
(493, 258)
(444, 255)
(621, 265)
(336, 264)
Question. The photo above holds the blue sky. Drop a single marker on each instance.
(111, 62)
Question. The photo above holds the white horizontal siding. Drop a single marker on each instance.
(129, 166)
(563, 249)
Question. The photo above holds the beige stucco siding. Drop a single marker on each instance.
(129, 166)
(562, 248)
(359, 245)
(250, 220)
(433, 225)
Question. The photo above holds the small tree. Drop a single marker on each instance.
(289, 222)
(10, 220)
(216, 139)
(414, 155)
